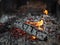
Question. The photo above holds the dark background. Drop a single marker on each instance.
(7, 6)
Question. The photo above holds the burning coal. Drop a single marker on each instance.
(38, 24)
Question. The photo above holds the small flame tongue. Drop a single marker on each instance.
(45, 12)
(38, 24)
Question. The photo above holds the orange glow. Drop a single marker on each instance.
(33, 37)
(46, 12)
(38, 24)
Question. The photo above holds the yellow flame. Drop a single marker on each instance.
(37, 24)
(46, 12)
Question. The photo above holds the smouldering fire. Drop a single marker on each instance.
(45, 12)
(38, 24)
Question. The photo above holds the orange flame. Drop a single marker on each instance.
(33, 37)
(38, 24)
(46, 12)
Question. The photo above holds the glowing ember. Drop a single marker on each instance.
(46, 12)
(33, 37)
(38, 24)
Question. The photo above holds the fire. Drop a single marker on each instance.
(33, 37)
(38, 24)
(46, 12)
